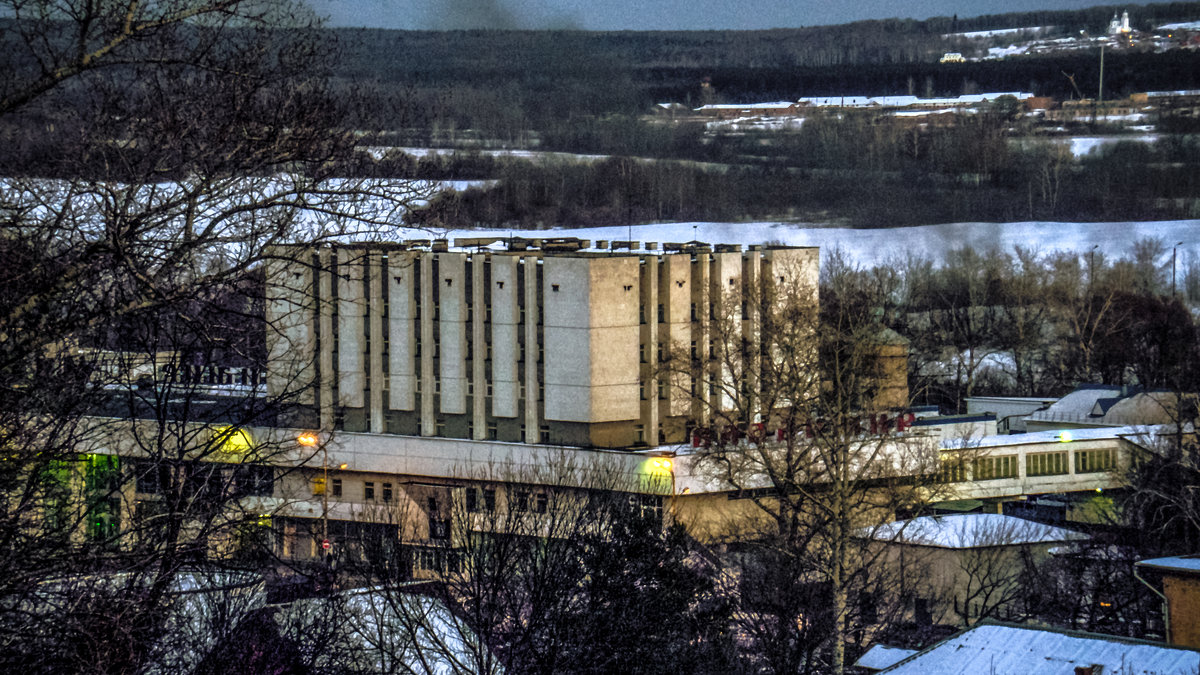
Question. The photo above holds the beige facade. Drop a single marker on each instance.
(523, 345)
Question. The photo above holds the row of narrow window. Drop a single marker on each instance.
(1036, 464)
(476, 499)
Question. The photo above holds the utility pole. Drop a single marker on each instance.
(1174, 250)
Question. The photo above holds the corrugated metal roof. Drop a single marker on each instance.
(1014, 650)
(1179, 563)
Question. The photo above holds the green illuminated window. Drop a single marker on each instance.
(953, 470)
(992, 468)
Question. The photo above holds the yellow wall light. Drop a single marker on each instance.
(659, 466)
(308, 439)
(1064, 437)
(233, 440)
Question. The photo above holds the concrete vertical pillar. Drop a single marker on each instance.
(532, 302)
(351, 312)
(452, 339)
(649, 338)
(374, 261)
(324, 273)
(401, 280)
(428, 386)
(478, 347)
(505, 316)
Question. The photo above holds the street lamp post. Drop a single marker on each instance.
(310, 439)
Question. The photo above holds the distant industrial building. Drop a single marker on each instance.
(554, 343)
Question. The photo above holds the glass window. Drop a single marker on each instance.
(1046, 464)
(992, 468)
(1095, 461)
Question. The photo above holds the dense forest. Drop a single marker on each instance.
(505, 82)
(590, 93)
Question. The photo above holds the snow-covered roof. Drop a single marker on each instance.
(921, 113)
(747, 106)
(1179, 563)
(1181, 92)
(1137, 434)
(1017, 650)
(907, 101)
(971, 530)
(1080, 403)
(1111, 406)
(879, 657)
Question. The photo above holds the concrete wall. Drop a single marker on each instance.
(1183, 606)
(490, 344)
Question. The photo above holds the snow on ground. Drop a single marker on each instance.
(980, 34)
(1084, 145)
(875, 246)
(1002, 52)
(538, 155)
(756, 124)
(1187, 25)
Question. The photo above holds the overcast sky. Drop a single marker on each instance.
(656, 14)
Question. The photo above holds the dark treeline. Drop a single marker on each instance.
(1033, 323)
(833, 169)
(504, 82)
(504, 103)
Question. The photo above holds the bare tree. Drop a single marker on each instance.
(564, 567)
(189, 138)
(792, 430)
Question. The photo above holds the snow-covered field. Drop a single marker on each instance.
(1187, 25)
(542, 156)
(869, 247)
(1084, 145)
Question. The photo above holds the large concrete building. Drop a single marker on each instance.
(543, 341)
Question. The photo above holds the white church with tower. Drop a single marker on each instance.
(1120, 26)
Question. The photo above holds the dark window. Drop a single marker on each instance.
(337, 487)
(152, 477)
(369, 491)
(921, 612)
(387, 492)
(520, 501)
(203, 481)
(489, 499)
(540, 503)
(253, 480)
